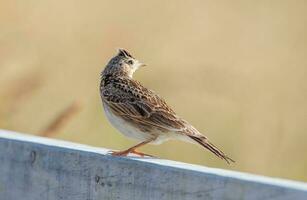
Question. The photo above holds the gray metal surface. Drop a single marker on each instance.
(34, 168)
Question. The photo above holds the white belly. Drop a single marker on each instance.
(124, 127)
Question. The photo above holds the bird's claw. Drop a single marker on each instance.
(127, 152)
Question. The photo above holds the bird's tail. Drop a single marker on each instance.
(203, 141)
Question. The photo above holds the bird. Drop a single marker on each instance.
(141, 114)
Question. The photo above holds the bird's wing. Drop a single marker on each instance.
(129, 99)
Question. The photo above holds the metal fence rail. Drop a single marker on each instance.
(35, 168)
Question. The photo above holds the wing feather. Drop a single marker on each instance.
(128, 98)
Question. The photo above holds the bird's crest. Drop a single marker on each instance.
(124, 53)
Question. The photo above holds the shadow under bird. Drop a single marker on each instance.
(141, 114)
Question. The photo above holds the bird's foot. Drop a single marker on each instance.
(126, 152)
(119, 153)
(141, 154)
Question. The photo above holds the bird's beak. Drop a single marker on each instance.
(142, 65)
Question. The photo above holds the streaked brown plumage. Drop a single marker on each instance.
(141, 114)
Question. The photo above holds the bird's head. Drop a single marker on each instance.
(123, 63)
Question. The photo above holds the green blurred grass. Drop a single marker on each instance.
(236, 71)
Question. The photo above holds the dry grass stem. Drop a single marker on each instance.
(61, 120)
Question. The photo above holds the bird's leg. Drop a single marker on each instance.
(133, 150)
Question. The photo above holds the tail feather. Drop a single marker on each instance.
(202, 140)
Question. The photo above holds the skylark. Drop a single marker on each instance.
(141, 114)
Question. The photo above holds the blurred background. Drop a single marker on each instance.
(236, 70)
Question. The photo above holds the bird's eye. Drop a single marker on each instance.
(130, 62)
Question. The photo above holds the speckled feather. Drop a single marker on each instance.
(129, 99)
